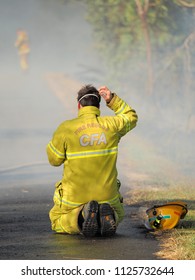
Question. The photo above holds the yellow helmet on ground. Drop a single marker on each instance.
(166, 216)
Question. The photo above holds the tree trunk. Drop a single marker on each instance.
(142, 12)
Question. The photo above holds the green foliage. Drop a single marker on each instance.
(119, 30)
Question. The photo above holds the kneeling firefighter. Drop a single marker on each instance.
(87, 199)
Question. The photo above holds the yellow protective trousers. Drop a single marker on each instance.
(64, 218)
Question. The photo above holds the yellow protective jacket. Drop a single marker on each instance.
(88, 147)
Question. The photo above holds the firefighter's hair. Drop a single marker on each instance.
(88, 95)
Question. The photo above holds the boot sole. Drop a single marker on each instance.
(107, 221)
(90, 225)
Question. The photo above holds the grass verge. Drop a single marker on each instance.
(177, 243)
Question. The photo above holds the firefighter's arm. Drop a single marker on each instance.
(126, 117)
(55, 149)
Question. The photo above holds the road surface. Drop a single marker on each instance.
(25, 231)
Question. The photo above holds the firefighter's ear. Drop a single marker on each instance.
(79, 106)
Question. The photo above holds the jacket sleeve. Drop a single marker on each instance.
(125, 117)
(56, 148)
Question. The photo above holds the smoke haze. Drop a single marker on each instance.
(63, 55)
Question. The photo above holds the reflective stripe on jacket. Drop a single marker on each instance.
(88, 147)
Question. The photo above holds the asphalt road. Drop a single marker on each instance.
(25, 231)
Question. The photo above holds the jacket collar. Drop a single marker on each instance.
(89, 110)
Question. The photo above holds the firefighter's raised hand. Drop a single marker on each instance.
(105, 93)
